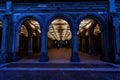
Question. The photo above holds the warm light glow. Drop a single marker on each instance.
(85, 24)
(34, 34)
(60, 30)
(24, 31)
(39, 30)
(32, 25)
(97, 30)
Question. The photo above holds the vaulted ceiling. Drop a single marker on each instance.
(33, 26)
(59, 29)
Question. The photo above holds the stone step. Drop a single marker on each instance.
(58, 75)
(60, 65)
(59, 71)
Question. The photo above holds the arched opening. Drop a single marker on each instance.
(0, 34)
(90, 39)
(59, 40)
(29, 39)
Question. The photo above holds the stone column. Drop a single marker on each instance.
(3, 42)
(6, 53)
(91, 44)
(37, 43)
(30, 39)
(117, 40)
(83, 44)
(83, 41)
(105, 44)
(15, 44)
(43, 55)
(117, 45)
(80, 42)
(75, 57)
(112, 6)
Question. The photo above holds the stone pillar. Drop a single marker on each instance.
(83, 44)
(117, 39)
(3, 42)
(112, 6)
(15, 44)
(37, 43)
(91, 44)
(30, 39)
(83, 41)
(6, 53)
(80, 42)
(105, 45)
(117, 45)
(75, 57)
(43, 55)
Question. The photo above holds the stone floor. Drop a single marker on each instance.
(59, 67)
(62, 55)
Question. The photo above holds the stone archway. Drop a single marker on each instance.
(74, 56)
(59, 40)
(90, 40)
(28, 37)
(92, 35)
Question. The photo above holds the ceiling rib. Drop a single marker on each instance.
(54, 31)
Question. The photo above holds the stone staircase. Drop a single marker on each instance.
(59, 71)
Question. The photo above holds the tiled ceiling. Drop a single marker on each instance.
(59, 29)
(85, 24)
(33, 24)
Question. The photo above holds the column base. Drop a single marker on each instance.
(2, 58)
(43, 59)
(75, 59)
(105, 58)
(92, 53)
(11, 56)
(116, 59)
(29, 53)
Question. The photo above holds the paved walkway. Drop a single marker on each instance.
(64, 55)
